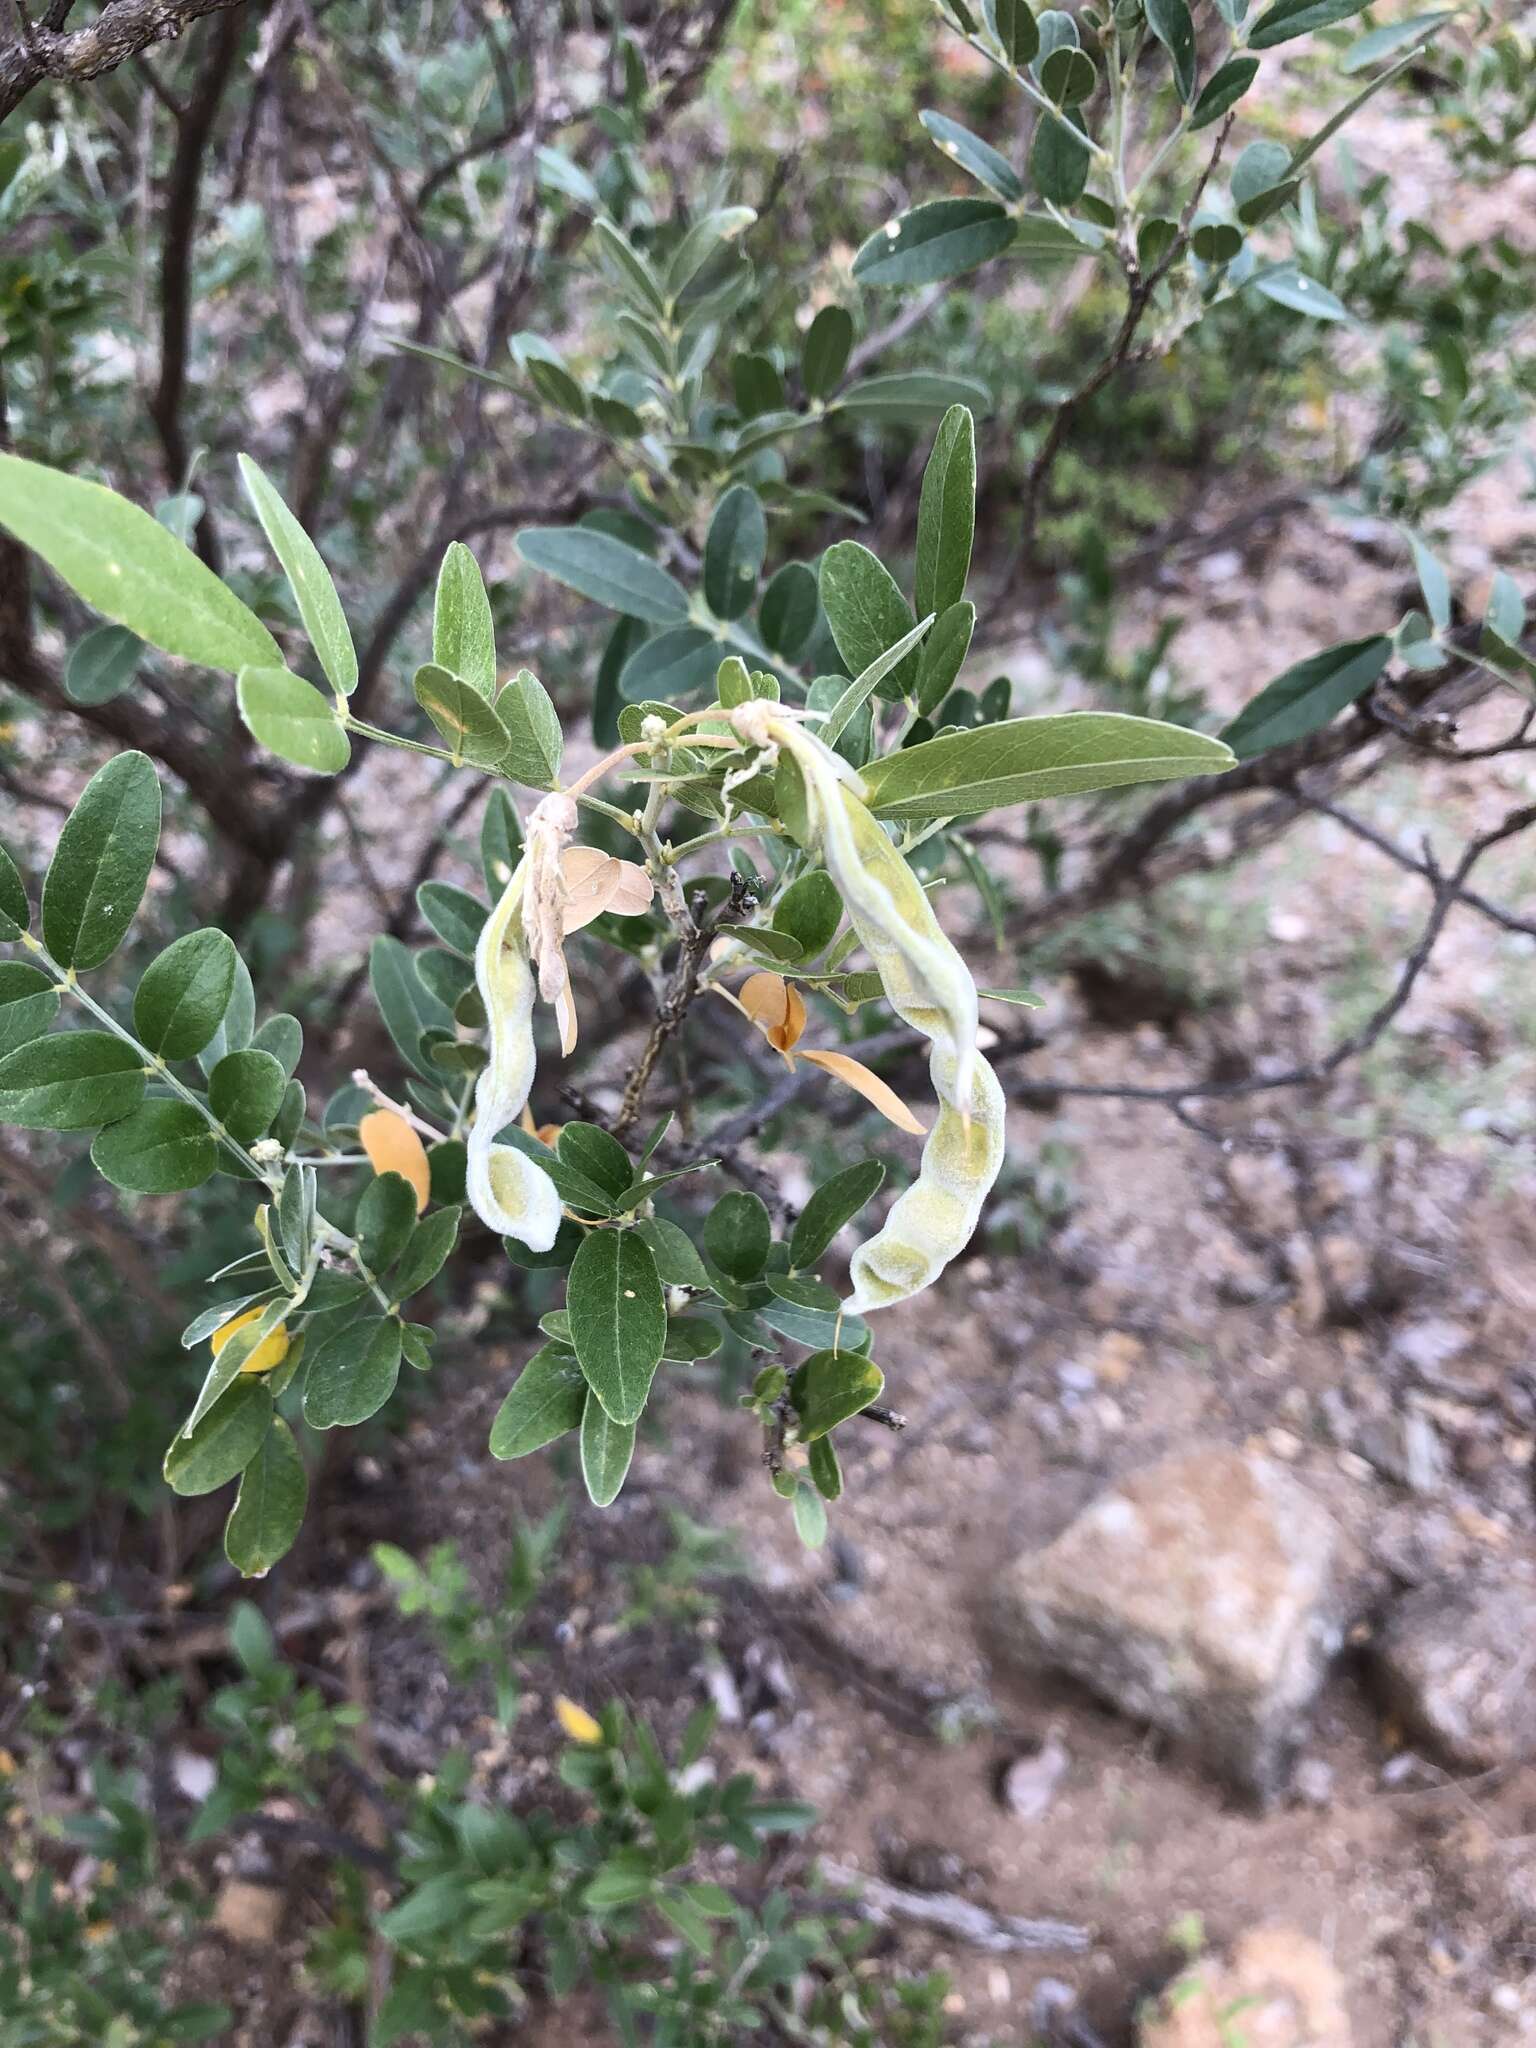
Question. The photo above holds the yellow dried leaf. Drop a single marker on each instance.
(874, 1091)
(775, 1007)
(394, 1147)
(270, 1352)
(578, 1724)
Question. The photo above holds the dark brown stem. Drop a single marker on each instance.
(69, 56)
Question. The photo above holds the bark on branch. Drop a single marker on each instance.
(124, 29)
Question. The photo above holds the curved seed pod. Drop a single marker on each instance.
(930, 987)
(507, 1191)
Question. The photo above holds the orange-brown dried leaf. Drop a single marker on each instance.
(393, 1147)
(874, 1091)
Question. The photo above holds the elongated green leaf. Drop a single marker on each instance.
(1290, 18)
(1023, 759)
(1223, 90)
(453, 914)
(546, 1400)
(677, 1263)
(606, 1449)
(386, 1217)
(463, 631)
(70, 1082)
(535, 742)
(15, 911)
(830, 1387)
(270, 1505)
(787, 615)
(406, 1006)
(733, 552)
(164, 1146)
(353, 1374)
(858, 692)
(501, 839)
(465, 718)
(904, 395)
(867, 613)
(940, 239)
(826, 1473)
(181, 1000)
(101, 862)
(985, 164)
(1170, 22)
(825, 351)
(435, 1237)
(125, 564)
(1434, 583)
(943, 656)
(1058, 161)
(283, 1037)
(292, 719)
(946, 515)
(618, 1319)
(29, 1002)
(737, 1234)
(836, 1202)
(245, 1092)
(596, 1153)
(224, 1442)
(102, 664)
(810, 1513)
(1287, 287)
(1308, 696)
(237, 1024)
(606, 570)
(1381, 43)
(309, 579)
(810, 911)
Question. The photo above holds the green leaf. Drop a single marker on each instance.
(435, 1237)
(386, 1217)
(70, 1082)
(455, 916)
(1261, 167)
(467, 721)
(164, 1146)
(546, 1400)
(1023, 759)
(737, 1234)
(1068, 76)
(810, 911)
(501, 839)
(1290, 18)
(15, 911)
(825, 351)
(292, 719)
(463, 632)
(283, 1037)
(1017, 32)
(946, 515)
(406, 1006)
(1287, 287)
(353, 1374)
(102, 664)
(576, 1191)
(826, 1473)
(606, 1449)
(810, 1513)
(787, 615)
(1223, 90)
(102, 861)
(940, 239)
(1381, 43)
(224, 1442)
(310, 581)
(851, 701)
(1216, 241)
(595, 1153)
(690, 1338)
(734, 551)
(1307, 696)
(124, 563)
(677, 1263)
(535, 742)
(906, 395)
(943, 656)
(237, 1023)
(618, 1321)
(245, 1092)
(29, 1002)
(834, 1203)
(985, 164)
(1058, 161)
(830, 1387)
(270, 1505)
(1505, 616)
(1434, 583)
(1169, 21)
(181, 999)
(866, 612)
(606, 570)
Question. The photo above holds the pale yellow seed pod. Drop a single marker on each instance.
(509, 1192)
(930, 987)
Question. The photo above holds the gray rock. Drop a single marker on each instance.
(1197, 1594)
(1458, 1667)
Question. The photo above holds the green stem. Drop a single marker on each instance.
(396, 739)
